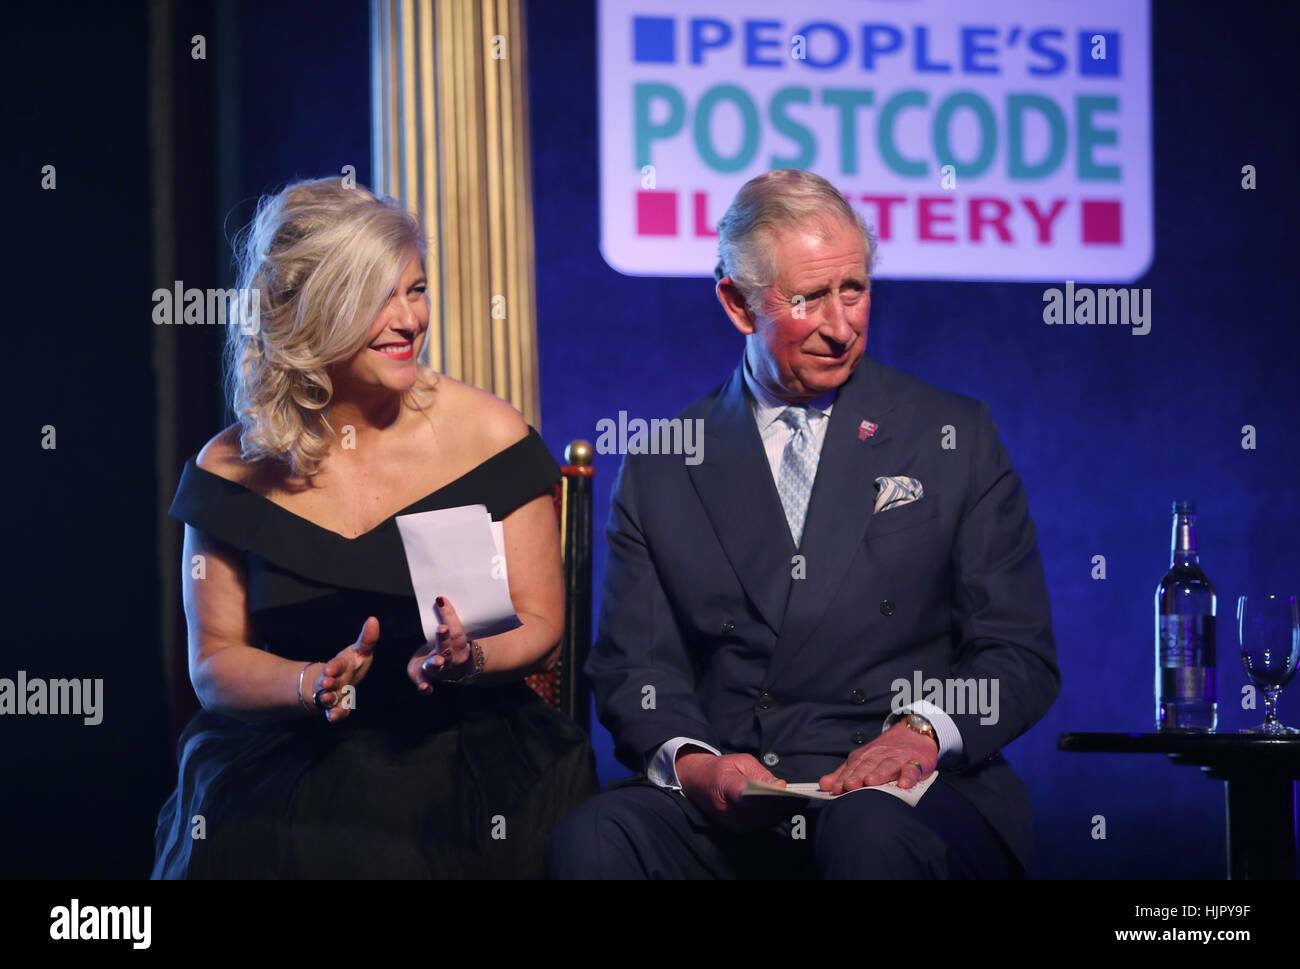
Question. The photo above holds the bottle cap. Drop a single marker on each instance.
(1184, 508)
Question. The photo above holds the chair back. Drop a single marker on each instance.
(566, 686)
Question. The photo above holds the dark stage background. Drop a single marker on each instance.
(1105, 429)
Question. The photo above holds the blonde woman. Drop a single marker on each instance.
(334, 741)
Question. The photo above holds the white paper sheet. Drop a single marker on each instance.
(811, 790)
(459, 553)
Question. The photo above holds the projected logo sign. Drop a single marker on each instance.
(1001, 140)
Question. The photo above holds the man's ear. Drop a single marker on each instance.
(733, 302)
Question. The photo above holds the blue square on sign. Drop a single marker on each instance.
(653, 40)
(1098, 53)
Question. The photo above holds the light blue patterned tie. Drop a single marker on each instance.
(798, 469)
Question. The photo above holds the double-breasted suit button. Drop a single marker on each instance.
(765, 701)
(770, 759)
(728, 628)
(887, 607)
(858, 697)
(858, 737)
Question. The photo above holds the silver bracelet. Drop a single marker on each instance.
(302, 673)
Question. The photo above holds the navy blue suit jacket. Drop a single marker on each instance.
(700, 602)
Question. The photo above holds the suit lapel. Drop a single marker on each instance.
(842, 501)
(735, 485)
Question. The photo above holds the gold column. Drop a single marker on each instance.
(450, 139)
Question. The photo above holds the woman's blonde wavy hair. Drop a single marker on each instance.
(324, 259)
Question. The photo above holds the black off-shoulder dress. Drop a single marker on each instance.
(464, 784)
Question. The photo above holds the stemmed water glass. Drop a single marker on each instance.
(1268, 628)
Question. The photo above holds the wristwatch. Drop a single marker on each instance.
(918, 723)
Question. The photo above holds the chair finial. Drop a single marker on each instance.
(578, 453)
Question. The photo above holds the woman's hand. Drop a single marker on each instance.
(346, 669)
(450, 658)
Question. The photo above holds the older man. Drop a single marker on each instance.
(851, 533)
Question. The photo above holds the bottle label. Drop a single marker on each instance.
(1186, 640)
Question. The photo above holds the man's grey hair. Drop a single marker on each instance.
(771, 202)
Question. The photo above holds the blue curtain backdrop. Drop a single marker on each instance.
(1105, 429)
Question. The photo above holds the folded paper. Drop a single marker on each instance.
(812, 791)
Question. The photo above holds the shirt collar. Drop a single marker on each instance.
(767, 408)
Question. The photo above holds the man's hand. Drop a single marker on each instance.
(713, 783)
(885, 759)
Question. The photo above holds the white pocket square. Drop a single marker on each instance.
(894, 491)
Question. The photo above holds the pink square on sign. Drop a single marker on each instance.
(656, 213)
(1101, 223)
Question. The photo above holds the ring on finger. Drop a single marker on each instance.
(315, 698)
(917, 764)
